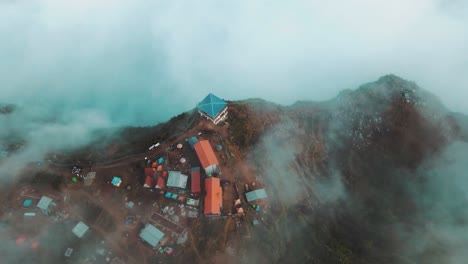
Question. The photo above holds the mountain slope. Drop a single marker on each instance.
(349, 178)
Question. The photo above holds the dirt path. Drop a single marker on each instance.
(192, 243)
(228, 228)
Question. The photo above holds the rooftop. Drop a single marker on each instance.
(44, 203)
(80, 229)
(27, 202)
(177, 179)
(192, 141)
(116, 181)
(205, 154)
(151, 235)
(195, 178)
(255, 195)
(214, 196)
(212, 105)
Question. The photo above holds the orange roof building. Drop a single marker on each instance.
(214, 196)
(206, 156)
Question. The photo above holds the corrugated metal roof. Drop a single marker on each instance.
(80, 229)
(256, 195)
(148, 182)
(195, 179)
(211, 105)
(161, 184)
(177, 179)
(44, 203)
(214, 196)
(151, 235)
(150, 172)
(205, 154)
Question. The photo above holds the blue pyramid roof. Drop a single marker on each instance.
(212, 105)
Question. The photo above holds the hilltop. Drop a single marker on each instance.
(351, 180)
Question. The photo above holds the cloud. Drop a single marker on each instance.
(143, 61)
(441, 199)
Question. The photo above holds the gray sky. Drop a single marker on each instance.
(139, 62)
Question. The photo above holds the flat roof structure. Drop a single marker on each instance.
(177, 179)
(151, 235)
(80, 229)
(206, 156)
(195, 180)
(256, 195)
(214, 196)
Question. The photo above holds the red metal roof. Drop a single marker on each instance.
(161, 184)
(148, 182)
(195, 178)
(205, 154)
(150, 172)
(214, 196)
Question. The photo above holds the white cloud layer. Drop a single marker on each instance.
(143, 61)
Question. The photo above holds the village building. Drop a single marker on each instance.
(151, 235)
(161, 183)
(207, 157)
(116, 181)
(80, 229)
(193, 202)
(195, 180)
(192, 141)
(256, 195)
(177, 180)
(149, 180)
(214, 196)
(213, 108)
(44, 204)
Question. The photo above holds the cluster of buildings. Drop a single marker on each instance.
(215, 110)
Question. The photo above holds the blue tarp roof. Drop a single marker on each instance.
(212, 105)
(27, 202)
(116, 180)
(192, 141)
